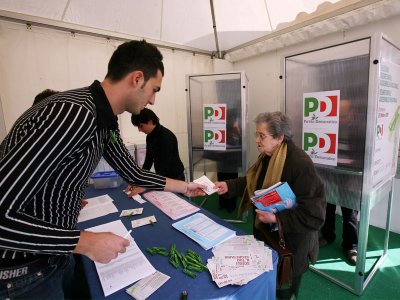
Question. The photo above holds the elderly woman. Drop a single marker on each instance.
(281, 160)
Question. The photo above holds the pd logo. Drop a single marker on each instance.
(214, 113)
(214, 136)
(323, 142)
(324, 106)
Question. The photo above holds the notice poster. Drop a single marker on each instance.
(321, 126)
(214, 126)
(387, 125)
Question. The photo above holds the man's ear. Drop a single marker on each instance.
(137, 78)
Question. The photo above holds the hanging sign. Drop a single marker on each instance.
(321, 126)
(387, 124)
(214, 126)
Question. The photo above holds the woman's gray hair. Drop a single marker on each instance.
(278, 124)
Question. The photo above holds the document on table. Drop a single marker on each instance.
(127, 268)
(172, 205)
(97, 207)
(204, 231)
(143, 221)
(142, 289)
(131, 212)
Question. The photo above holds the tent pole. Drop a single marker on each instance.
(215, 29)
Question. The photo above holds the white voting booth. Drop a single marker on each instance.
(355, 151)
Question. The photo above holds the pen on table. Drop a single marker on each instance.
(126, 235)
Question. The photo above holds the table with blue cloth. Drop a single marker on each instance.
(162, 234)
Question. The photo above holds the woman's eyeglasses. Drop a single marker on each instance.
(261, 135)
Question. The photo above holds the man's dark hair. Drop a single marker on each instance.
(135, 56)
(43, 95)
(145, 116)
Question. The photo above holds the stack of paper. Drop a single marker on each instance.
(239, 260)
(204, 231)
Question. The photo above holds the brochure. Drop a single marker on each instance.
(275, 198)
(206, 232)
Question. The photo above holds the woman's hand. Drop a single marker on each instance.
(265, 217)
(221, 186)
(194, 189)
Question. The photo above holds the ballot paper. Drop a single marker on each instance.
(142, 289)
(239, 260)
(131, 212)
(172, 205)
(127, 268)
(143, 221)
(204, 180)
(206, 232)
(97, 207)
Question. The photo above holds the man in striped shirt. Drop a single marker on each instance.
(45, 162)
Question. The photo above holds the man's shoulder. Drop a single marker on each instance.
(77, 97)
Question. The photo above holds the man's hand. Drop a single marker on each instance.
(101, 247)
(132, 190)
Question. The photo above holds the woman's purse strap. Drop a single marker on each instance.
(281, 241)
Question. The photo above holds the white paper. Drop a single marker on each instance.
(203, 230)
(131, 212)
(239, 260)
(139, 199)
(145, 287)
(143, 221)
(97, 207)
(172, 205)
(204, 180)
(127, 268)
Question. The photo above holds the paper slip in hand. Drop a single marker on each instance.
(143, 221)
(207, 182)
(131, 212)
(145, 287)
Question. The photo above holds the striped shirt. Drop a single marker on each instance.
(45, 163)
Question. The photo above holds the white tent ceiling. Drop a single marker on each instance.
(242, 27)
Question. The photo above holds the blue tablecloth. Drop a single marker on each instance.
(162, 234)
